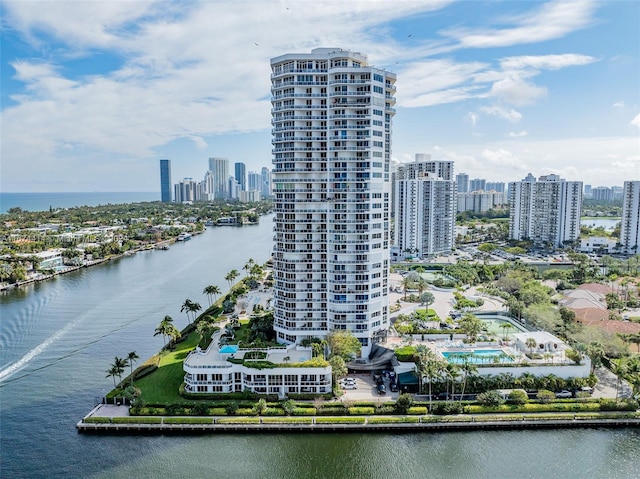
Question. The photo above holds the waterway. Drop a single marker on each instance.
(58, 339)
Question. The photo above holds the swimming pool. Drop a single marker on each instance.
(477, 356)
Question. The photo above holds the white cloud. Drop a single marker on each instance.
(618, 104)
(472, 118)
(517, 90)
(509, 115)
(552, 20)
(517, 134)
(636, 121)
(545, 62)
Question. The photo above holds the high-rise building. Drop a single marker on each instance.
(331, 118)
(208, 186)
(186, 191)
(602, 193)
(462, 181)
(165, 181)
(494, 186)
(241, 175)
(265, 184)
(477, 184)
(481, 201)
(546, 211)
(254, 181)
(425, 207)
(587, 192)
(630, 227)
(220, 169)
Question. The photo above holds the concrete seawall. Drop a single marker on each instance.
(469, 423)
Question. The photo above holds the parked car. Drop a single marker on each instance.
(348, 380)
(381, 389)
(564, 394)
(349, 386)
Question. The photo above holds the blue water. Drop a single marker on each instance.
(43, 201)
(477, 356)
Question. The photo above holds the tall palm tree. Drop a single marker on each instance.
(247, 266)
(186, 308)
(193, 309)
(163, 328)
(468, 368)
(120, 364)
(531, 343)
(231, 277)
(620, 368)
(112, 372)
(211, 291)
(506, 327)
(131, 357)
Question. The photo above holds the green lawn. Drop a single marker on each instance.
(163, 385)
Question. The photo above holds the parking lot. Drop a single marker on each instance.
(367, 390)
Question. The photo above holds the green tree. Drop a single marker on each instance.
(338, 367)
(545, 396)
(531, 343)
(113, 373)
(490, 398)
(131, 358)
(211, 291)
(231, 277)
(471, 325)
(164, 327)
(427, 299)
(261, 406)
(343, 343)
(404, 402)
(517, 396)
(467, 368)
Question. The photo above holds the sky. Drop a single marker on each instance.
(94, 93)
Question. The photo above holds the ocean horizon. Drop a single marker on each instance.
(45, 201)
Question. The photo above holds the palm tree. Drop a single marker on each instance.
(531, 343)
(194, 308)
(468, 368)
(231, 276)
(506, 327)
(119, 364)
(186, 307)
(248, 265)
(205, 328)
(210, 291)
(173, 333)
(451, 370)
(619, 368)
(112, 372)
(163, 328)
(131, 357)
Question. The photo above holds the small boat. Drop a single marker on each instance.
(184, 237)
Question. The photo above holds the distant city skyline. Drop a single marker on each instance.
(94, 94)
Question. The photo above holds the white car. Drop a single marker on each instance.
(349, 386)
(564, 394)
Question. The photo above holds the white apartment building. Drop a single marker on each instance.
(480, 201)
(546, 211)
(425, 207)
(331, 118)
(630, 228)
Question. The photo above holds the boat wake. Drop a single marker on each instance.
(10, 370)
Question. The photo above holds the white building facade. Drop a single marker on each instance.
(546, 211)
(630, 227)
(331, 119)
(425, 205)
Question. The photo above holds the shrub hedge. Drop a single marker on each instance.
(340, 420)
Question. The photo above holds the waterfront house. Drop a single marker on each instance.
(282, 371)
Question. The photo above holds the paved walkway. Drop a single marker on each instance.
(608, 384)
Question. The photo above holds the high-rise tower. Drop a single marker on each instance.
(425, 205)
(630, 227)
(331, 118)
(241, 175)
(546, 211)
(220, 169)
(165, 181)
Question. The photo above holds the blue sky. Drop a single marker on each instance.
(95, 92)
